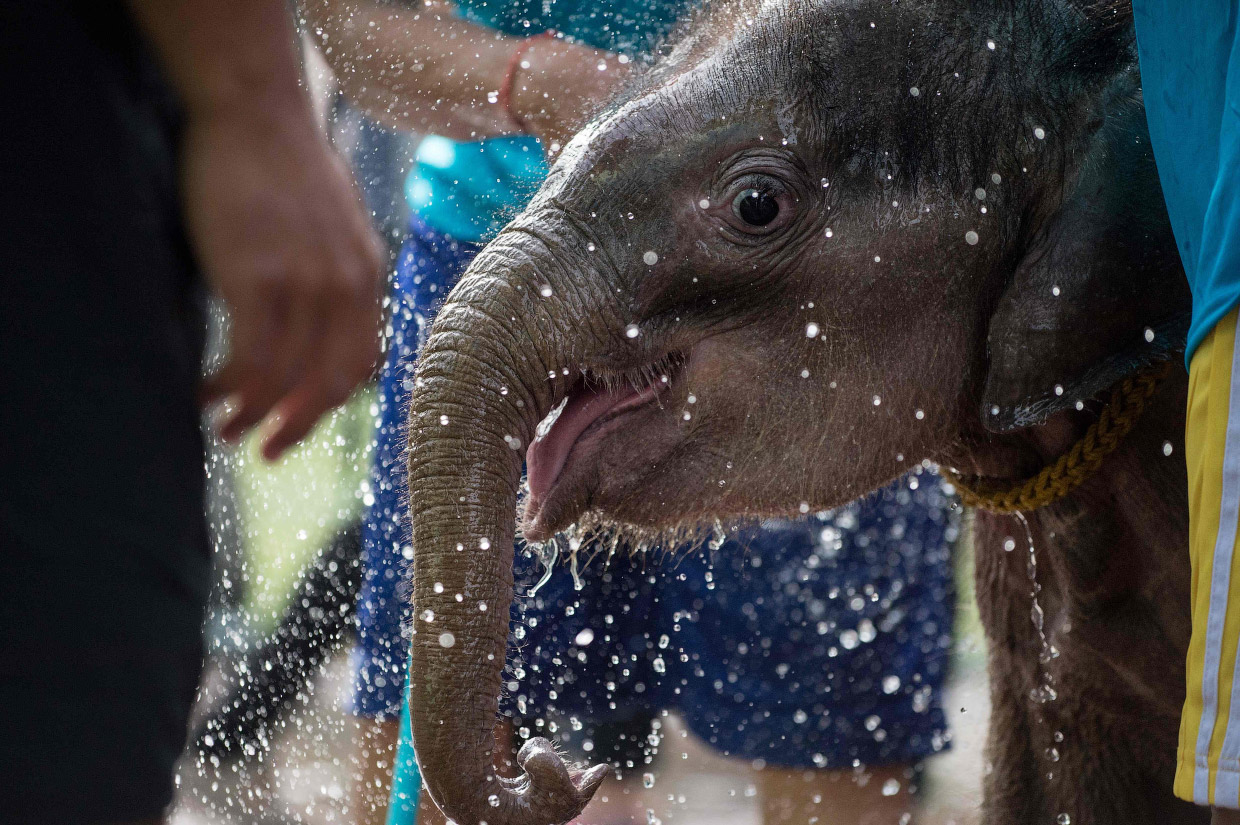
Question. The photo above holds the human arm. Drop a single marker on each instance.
(272, 214)
(425, 69)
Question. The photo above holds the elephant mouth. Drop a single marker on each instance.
(598, 404)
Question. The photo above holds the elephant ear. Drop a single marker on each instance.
(1099, 293)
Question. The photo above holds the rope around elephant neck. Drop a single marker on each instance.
(1073, 468)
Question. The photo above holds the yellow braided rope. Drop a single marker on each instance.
(1127, 402)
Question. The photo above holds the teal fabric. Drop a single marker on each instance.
(469, 190)
(1190, 71)
(406, 781)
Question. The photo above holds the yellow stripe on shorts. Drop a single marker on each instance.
(1208, 768)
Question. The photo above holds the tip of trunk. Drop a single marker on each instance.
(547, 792)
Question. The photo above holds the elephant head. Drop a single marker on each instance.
(817, 243)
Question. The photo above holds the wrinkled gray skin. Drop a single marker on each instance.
(928, 346)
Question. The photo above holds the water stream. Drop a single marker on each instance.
(1045, 691)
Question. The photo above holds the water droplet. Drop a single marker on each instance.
(891, 684)
(650, 258)
(979, 193)
(970, 237)
(830, 232)
(1167, 448)
(1149, 335)
(891, 787)
(632, 331)
(485, 544)
(704, 203)
(914, 91)
(584, 638)
(811, 330)
(437, 587)
(919, 415)
(1063, 819)
(428, 615)
(545, 290)
(1039, 133)
(443, 420)
(877, 400)
(990, 44)
(446, 639)
(648, 780)
(493, 800)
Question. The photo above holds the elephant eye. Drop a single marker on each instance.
(755, 207)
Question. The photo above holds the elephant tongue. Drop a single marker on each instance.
(548, 454)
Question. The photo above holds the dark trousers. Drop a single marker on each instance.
(104, 552)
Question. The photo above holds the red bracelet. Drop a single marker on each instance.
(510, 76)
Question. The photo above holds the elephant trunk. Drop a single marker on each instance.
(483, 384)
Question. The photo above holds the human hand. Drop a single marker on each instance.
(281, 234)
(558, 85)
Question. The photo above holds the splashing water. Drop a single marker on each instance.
(1045, 691)
(547, 553)
(573, 555)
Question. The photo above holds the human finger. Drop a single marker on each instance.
(344, 357)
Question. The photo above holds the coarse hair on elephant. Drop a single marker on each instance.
(816, 243)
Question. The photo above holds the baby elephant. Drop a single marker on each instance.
(818, 243)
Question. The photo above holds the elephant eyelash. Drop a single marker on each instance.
(639, 378)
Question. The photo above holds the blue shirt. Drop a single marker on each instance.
(469, 190)
(1190, 70)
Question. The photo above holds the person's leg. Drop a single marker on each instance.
(879, 796)
(1212, 463)
(375, 752)
(621, 743)
(107, 564)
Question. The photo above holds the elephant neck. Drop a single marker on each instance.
(1089, 597)
(1059, 478)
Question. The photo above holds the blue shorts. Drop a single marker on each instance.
(817, 643)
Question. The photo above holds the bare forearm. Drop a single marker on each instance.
(276, 224)
(421, 68)
(228, 55)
